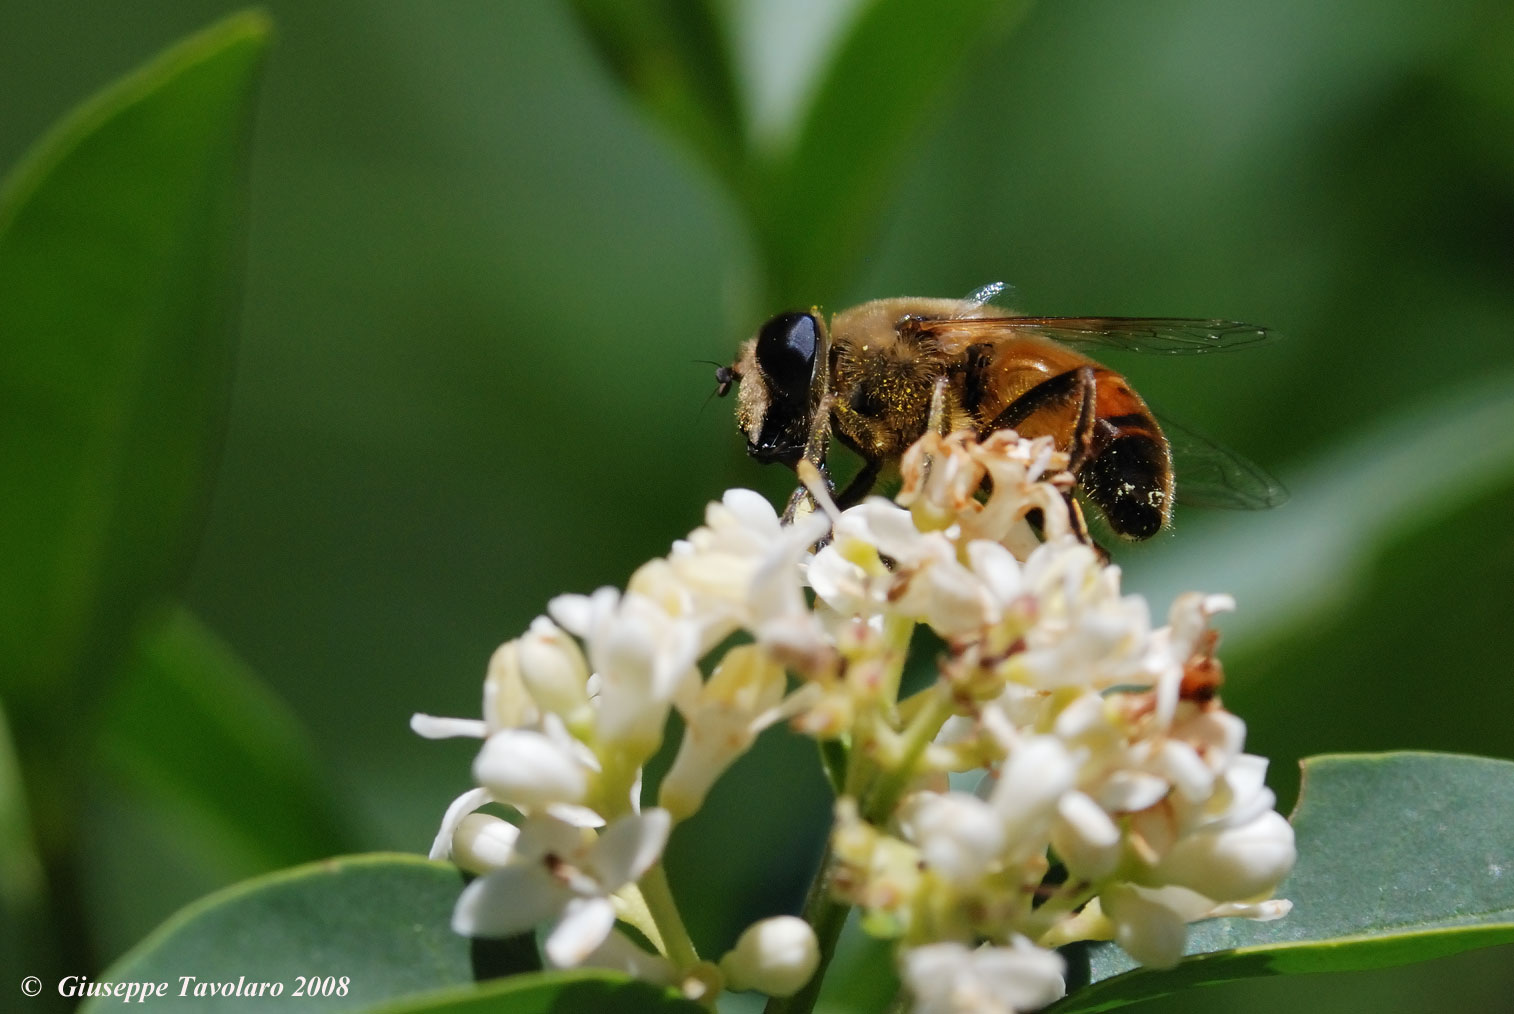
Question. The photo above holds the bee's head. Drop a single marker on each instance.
(776, 370)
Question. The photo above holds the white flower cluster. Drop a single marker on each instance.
(1118, 802)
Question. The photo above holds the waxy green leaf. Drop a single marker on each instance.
(813, 191)
(119, 240)
(191, 731)
(381, 921)
(552, 992)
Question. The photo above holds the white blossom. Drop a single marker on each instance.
(950, 978)
(1103, 741)
(641, 654)
(563, 874)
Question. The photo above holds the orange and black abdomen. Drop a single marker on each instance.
(1129, 474)
(1025, 386)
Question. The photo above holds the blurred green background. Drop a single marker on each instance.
(479, 280)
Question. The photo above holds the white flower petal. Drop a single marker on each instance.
(576, 816)
(1181, 765)
(959, 835)
(1031, 781)
(434, 727)
(459, 808)
(998, 568)
(949, 978)
(508, 901)
(1233, 863)
(585, 924)
(572, 612)
(628, 847)
(528, 768)
(543, 836)
(752, 510)
(1147, 930)
(619, 954)
(1260, 911)
(1085, 837)
(1131, 791)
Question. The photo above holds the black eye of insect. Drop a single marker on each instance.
(724, 378)
(786, 352)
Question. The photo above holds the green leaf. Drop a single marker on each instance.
(382, 921)
(674, 57)
(813, 191)
(192, 731)
(821, 202)
(552, 992)
(119, 235)
(1402, 857)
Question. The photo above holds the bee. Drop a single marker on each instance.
(882, 373)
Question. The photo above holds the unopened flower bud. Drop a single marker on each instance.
(775, 956)
(507, 703)
(528, 768)
(722, 719)
(482, 843)
(1234, 863)
(554, 670)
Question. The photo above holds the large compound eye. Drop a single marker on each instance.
(786, 353)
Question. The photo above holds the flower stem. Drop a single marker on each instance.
(827, 917)
(880, 803)
(659, 899)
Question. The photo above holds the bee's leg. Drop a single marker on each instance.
(939, 422)
(800, 501)
(1079, 453)
(1087, 394)
(1073, 387)
(1078, 388)
(861, 483)
(1080, 527)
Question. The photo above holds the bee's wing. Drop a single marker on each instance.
(1209, 475)
(1166, 335)
(984, 294)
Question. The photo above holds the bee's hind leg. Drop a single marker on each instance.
(1080, 451)
(861, 483)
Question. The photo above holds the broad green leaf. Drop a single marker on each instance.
(119, 234)
(382, 921)
(552, 992)
(812, 192)
(674, 57)
(820, 202)
(190, 730)
(1402, 857)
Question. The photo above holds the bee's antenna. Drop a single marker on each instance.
(725, 376)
